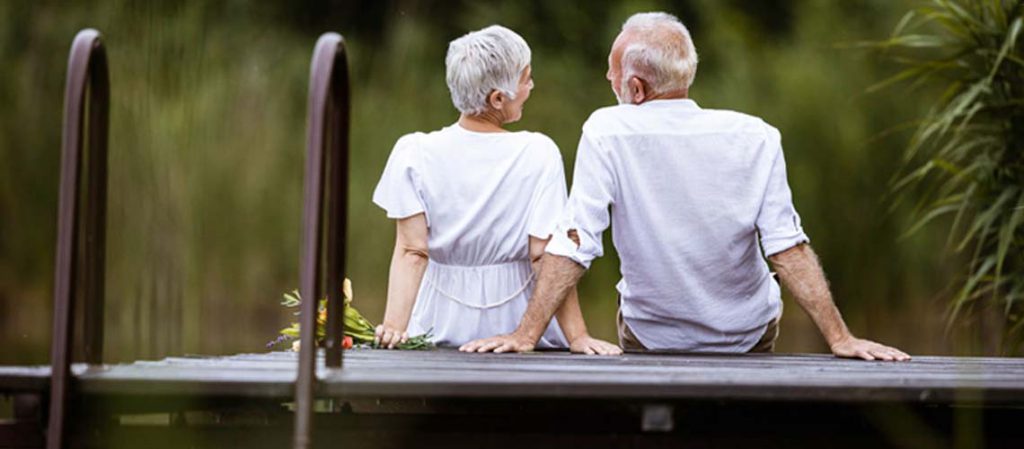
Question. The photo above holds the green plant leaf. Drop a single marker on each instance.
(1006, 234)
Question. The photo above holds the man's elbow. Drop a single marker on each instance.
(564, 266)
(536, 257)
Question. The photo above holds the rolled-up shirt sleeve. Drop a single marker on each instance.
(593, 191)
(778, 223)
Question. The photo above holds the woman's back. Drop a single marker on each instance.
(483, 195)
(474, 203)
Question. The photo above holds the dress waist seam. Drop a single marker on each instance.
(514, 263)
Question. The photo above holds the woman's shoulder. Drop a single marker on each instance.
(540, 144)
(410, 146)
(443, 137)
(409, 141)
(537, 144)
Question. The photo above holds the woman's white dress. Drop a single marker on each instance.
(483, 195)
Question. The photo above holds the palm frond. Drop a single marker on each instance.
(966, 156)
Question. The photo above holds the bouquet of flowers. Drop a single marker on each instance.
(358, 330)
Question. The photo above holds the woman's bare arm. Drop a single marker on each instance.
(408, 263)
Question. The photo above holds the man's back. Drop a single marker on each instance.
(689, 190)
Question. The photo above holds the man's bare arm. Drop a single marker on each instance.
(558, 276)
(569, 314)
(802, 275)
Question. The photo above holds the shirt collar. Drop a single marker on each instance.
(672, 102)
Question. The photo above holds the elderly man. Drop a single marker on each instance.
(691, 190)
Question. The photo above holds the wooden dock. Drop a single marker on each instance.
(446, 373)
(392, 398)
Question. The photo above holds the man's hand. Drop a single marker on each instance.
(592, 346)
(389, 336)
(853, 347)
(501, 343)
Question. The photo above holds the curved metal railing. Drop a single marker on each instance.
(86, 95)
(327, 135)
(86, 102)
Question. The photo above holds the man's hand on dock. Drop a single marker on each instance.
(853, 347)
(515, 343)
(501, 343)
(592, 346)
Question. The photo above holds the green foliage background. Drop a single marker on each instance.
(206, 150)
(966, 158)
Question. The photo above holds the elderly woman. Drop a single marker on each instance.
(475, 206)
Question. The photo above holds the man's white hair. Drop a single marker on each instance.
(660, 51)
(483, 61)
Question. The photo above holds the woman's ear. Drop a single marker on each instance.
(636, 90)
(496, 100)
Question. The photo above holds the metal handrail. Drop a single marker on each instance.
(87, 83)
(327, 128)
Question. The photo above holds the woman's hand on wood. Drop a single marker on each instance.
(389, 336)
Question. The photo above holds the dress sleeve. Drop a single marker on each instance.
(778, 222)
(593, 191)
(399, 191)
(550, 197)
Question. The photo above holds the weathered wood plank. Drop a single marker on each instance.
(450, 374)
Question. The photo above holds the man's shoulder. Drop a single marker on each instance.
(609, 111)
(607, 119)
(739, 122)
(620, 118)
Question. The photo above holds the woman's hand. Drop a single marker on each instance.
(586, 344)
(389, 336)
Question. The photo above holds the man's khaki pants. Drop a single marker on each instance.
(629, 342)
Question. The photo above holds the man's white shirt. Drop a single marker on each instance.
(690, 191)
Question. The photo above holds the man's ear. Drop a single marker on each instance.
(496, 100)
(636, 90)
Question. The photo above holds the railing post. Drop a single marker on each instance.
(327, 128)
(337, 210)
(87, 67)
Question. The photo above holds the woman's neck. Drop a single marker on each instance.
(481, 123)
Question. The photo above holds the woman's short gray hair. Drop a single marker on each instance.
(660, 51)
(483, 61)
